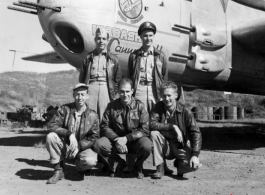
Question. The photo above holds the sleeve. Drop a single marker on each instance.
(83, 71)
(106, 125)
(194, 134)
(56, 124)
(155, 124)
(117, 76)
(143, 128)
(130, 67)
(92, 134)
(165, 68)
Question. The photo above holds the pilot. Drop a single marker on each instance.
(74, 130)
(147, 67)
(124, 129)
(174, 133)
(101, 71)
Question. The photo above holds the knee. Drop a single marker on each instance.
(51, 137)
(100, 143)
(154, 135)
(85, 163)
(147, 146)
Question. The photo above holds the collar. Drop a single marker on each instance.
(154, 50)
(93, 53)
(73, 109)
(130, 105)
(150, 51)
(178, 108)
(104, 52)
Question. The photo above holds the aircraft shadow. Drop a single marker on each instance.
(23, 141)
(35, 174)
(232, 138)
(34, 132)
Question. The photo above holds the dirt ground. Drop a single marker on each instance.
(232, 156)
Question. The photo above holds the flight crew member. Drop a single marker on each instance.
(147, 67)
(124, 129)
(174, 133)
(74, 130)
(101, 71)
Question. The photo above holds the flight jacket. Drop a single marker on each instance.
(113, 72)
(185, 122)
(160, 66)
(89, 125)
(113, 124)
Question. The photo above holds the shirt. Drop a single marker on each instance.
(75, 127)
(147, 66)
(98, 68)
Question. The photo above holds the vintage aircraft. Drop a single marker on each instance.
(210, 44)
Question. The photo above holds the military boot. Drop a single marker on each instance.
(160, 171)
(58, 173)
(167, 170)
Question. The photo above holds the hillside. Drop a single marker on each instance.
(18, 88)
(43, 90)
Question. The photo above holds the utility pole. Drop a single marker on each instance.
(13, 59)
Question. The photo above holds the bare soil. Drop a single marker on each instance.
(232, 156)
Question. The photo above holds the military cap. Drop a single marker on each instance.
(102, 31)
(146, 26)
(79, 85)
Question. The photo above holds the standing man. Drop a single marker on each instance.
(74, 129)
(101, 72)
(125, 129)
(147, 67)
(174, 133)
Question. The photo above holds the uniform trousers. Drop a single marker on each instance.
(59, 150)
(146, 94)
(98, 97)
(170, 149)
(141, 148)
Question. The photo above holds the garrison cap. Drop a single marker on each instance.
(79, 85)
(146, 26)
(102, 31)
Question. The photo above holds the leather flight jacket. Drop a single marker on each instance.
(185, 122)
(89, 125)
(160, 69)
(118, 122)
(113, 72)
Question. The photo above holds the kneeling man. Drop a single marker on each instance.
(74, 129)
(174, 133)
(125, 129)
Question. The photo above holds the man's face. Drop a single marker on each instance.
(147, 38)
(169, 97)
(126, 92)
(101, 41)
(80, 96)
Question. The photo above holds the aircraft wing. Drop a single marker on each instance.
(49, 57)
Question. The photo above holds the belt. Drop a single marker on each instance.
(97, 81)
(145, 83)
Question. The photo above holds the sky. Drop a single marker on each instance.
(22, 32)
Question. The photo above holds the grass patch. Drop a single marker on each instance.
(40, 144)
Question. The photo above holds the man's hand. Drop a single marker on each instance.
(73, 142)
(121, 140)
(194, 162)
(179, 133)
(121, 144)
